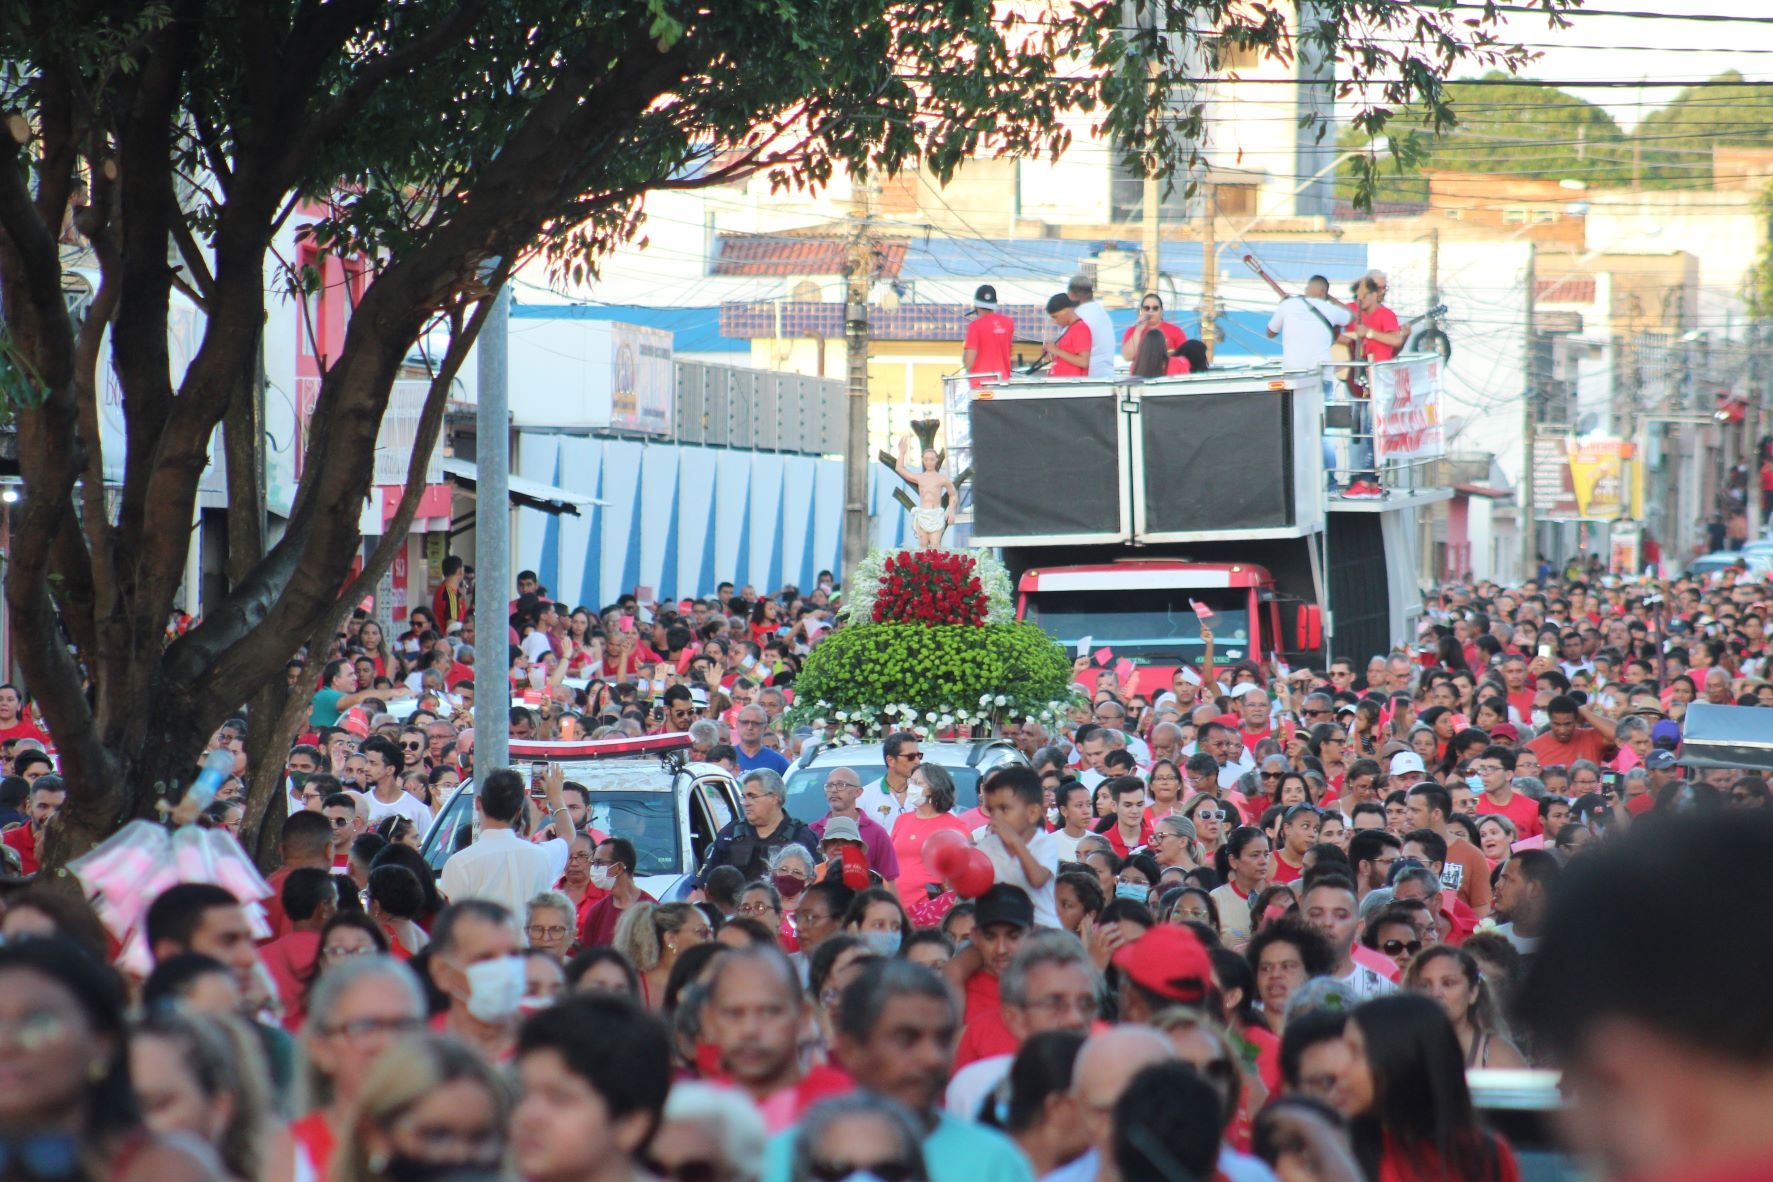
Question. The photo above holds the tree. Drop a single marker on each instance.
(1677, 139)
(446, 139)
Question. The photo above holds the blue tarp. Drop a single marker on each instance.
(694, 330)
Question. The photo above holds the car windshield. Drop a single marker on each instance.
(648, 819)
(806, 787)
(1152, 626)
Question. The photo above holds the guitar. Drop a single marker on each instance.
(1353, 377)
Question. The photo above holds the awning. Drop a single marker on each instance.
(531, 494)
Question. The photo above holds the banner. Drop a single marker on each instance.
(642, 379)
(1597, 477)
(1406, 407)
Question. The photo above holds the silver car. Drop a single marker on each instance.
(669, 808)
(967, 761)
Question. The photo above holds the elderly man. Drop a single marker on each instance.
(747, 843)
(1112, 715)
(1166, 742)
(843, 791)
(753, 754)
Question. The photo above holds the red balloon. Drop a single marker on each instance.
(949, 858)
(941, 839)
(974, 876)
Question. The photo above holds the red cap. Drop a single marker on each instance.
(1506, 732)
(1170, 961)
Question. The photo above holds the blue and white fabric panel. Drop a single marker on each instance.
(682, 519)
(892, 526)
(538, 535)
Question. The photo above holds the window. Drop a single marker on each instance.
(1514, 217)
(1236, 55)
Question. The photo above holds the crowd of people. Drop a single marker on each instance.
(1258, 924)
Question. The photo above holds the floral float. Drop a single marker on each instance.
(930, 643)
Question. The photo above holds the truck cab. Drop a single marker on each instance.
(1143, 610)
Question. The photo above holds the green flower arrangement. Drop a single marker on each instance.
(867, 679)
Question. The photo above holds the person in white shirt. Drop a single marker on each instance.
(1076, 804)
(889, 798)
(1090, 310)
(387, 798)
(1330, 906)
(501, 866)
(1306, 326)
(1021, 853)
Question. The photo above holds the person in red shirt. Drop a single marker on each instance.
(752, 1022)
(1567, 740)
(612, 870)
(1132, 827)
(1374, 333)
(1071, 352)
(449, 604)
(48, 795)
(1151, 319)
(986, 351)
(1496, 767)
(1298, 833)
(15, 724)
(1002, 916)
(308, 898)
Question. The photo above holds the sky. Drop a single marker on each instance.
(1597, 46)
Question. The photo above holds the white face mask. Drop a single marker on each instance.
(914, 795)
(1541, 720)
(495, 988)
(602, 877)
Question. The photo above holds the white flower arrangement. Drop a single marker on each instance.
(862, 587)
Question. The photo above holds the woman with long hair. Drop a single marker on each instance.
(65, 1099)
(653, 935)
(430, 1108)
(204, 1075)
(1451, 977)
(1328, 744)
(1412, 1111)
(1213, 819)
(375, 645)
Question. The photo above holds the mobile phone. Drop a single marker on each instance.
(1545, 652)
(537, 771)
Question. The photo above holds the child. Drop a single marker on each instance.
(1022, 854)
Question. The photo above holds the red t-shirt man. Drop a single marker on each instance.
(1587, 743)
(988, 342)
(1380, 319)
(1522, 809)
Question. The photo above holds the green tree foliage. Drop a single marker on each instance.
(1676, 139)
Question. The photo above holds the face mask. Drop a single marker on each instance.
(297, 780)
(401, 1168)
(788, 886)
(602, 877)
(914, 795)
(1131, 890)
(1475, 783)
(1541, 720)
(495, 988)
(882, 943)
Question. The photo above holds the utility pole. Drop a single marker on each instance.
(1434, 267)
(1529, 402)
(1751, 430)
(1149, 213)
(492, 532)
(1209, 275)
(859, 276)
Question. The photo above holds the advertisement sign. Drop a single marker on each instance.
(1406, 406)
(1584, 480)
(1625, 549)
(642, 379)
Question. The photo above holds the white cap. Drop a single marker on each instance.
(1242, 689)
(1407, 761)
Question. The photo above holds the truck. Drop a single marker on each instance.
(1122, 507)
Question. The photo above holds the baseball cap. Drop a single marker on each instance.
(842, 829)
(985, 297)
(1170, 961)
(1405, 762)
(1666, 733)
(1059, 303)
(698, 696)
(1660, 760)
(1242, 689)
(1003, 903)
(1505, 732)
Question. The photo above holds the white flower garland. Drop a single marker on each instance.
(862, 588)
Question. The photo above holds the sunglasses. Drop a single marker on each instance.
(1208, 815)
(412, 746)
(1393, 947)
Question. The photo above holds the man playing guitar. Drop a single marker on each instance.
(1374, 333)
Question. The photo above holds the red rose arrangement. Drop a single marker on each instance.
(930, 587)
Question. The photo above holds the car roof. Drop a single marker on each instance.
(643, 774)
(945, 753)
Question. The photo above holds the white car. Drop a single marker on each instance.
(642, 789)
(968, 761)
